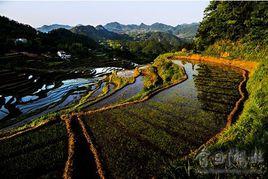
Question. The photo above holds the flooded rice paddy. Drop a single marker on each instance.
(121, 95)
(23, 93)
(142, 140)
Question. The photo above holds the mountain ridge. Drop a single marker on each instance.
(97, 33)
(186, 31)
(48, 28)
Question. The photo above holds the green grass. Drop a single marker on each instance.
(250, 131)
(105, 89)
(118, 81)
(36, 153)
(237, 50)
(151, 78)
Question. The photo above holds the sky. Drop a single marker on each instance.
(38, 13)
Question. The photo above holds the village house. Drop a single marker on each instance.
(63, 55)
(21, 40)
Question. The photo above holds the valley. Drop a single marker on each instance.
(104, 90)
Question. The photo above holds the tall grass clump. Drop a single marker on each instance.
(251, 51)
(151, 78)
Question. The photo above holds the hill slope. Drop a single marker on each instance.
(66, 40)
(233, 21)
(38, 42)
(12, 29)
(97, 33)
(161, 37)
(48, 28)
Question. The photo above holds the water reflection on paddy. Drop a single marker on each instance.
(169, 125)
(22, 93)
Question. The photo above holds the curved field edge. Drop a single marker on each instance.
(249, 131)
(140, 100)
(135, 120)
(120, 83)
(124, 104)
(43, 120)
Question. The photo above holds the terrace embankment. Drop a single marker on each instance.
(148, 81)
(83, 160)
(142, 136)
(250, 66)
(121, 97)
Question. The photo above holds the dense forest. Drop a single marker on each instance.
(244, 21)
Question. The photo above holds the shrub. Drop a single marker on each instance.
(167, 70)
(119, 81)
(151, 78)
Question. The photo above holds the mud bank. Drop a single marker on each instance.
(246, 65)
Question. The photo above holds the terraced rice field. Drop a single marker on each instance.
(40, 152)
(141, 140)
(121, 95)
(31, 95)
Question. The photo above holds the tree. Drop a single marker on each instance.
(233, 20)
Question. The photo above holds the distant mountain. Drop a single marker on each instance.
(63, 37)
(161, 27)
(186, 31)
(115, 30)
(48, 28)
(98, 33)
(161, 37)
(147, 46)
